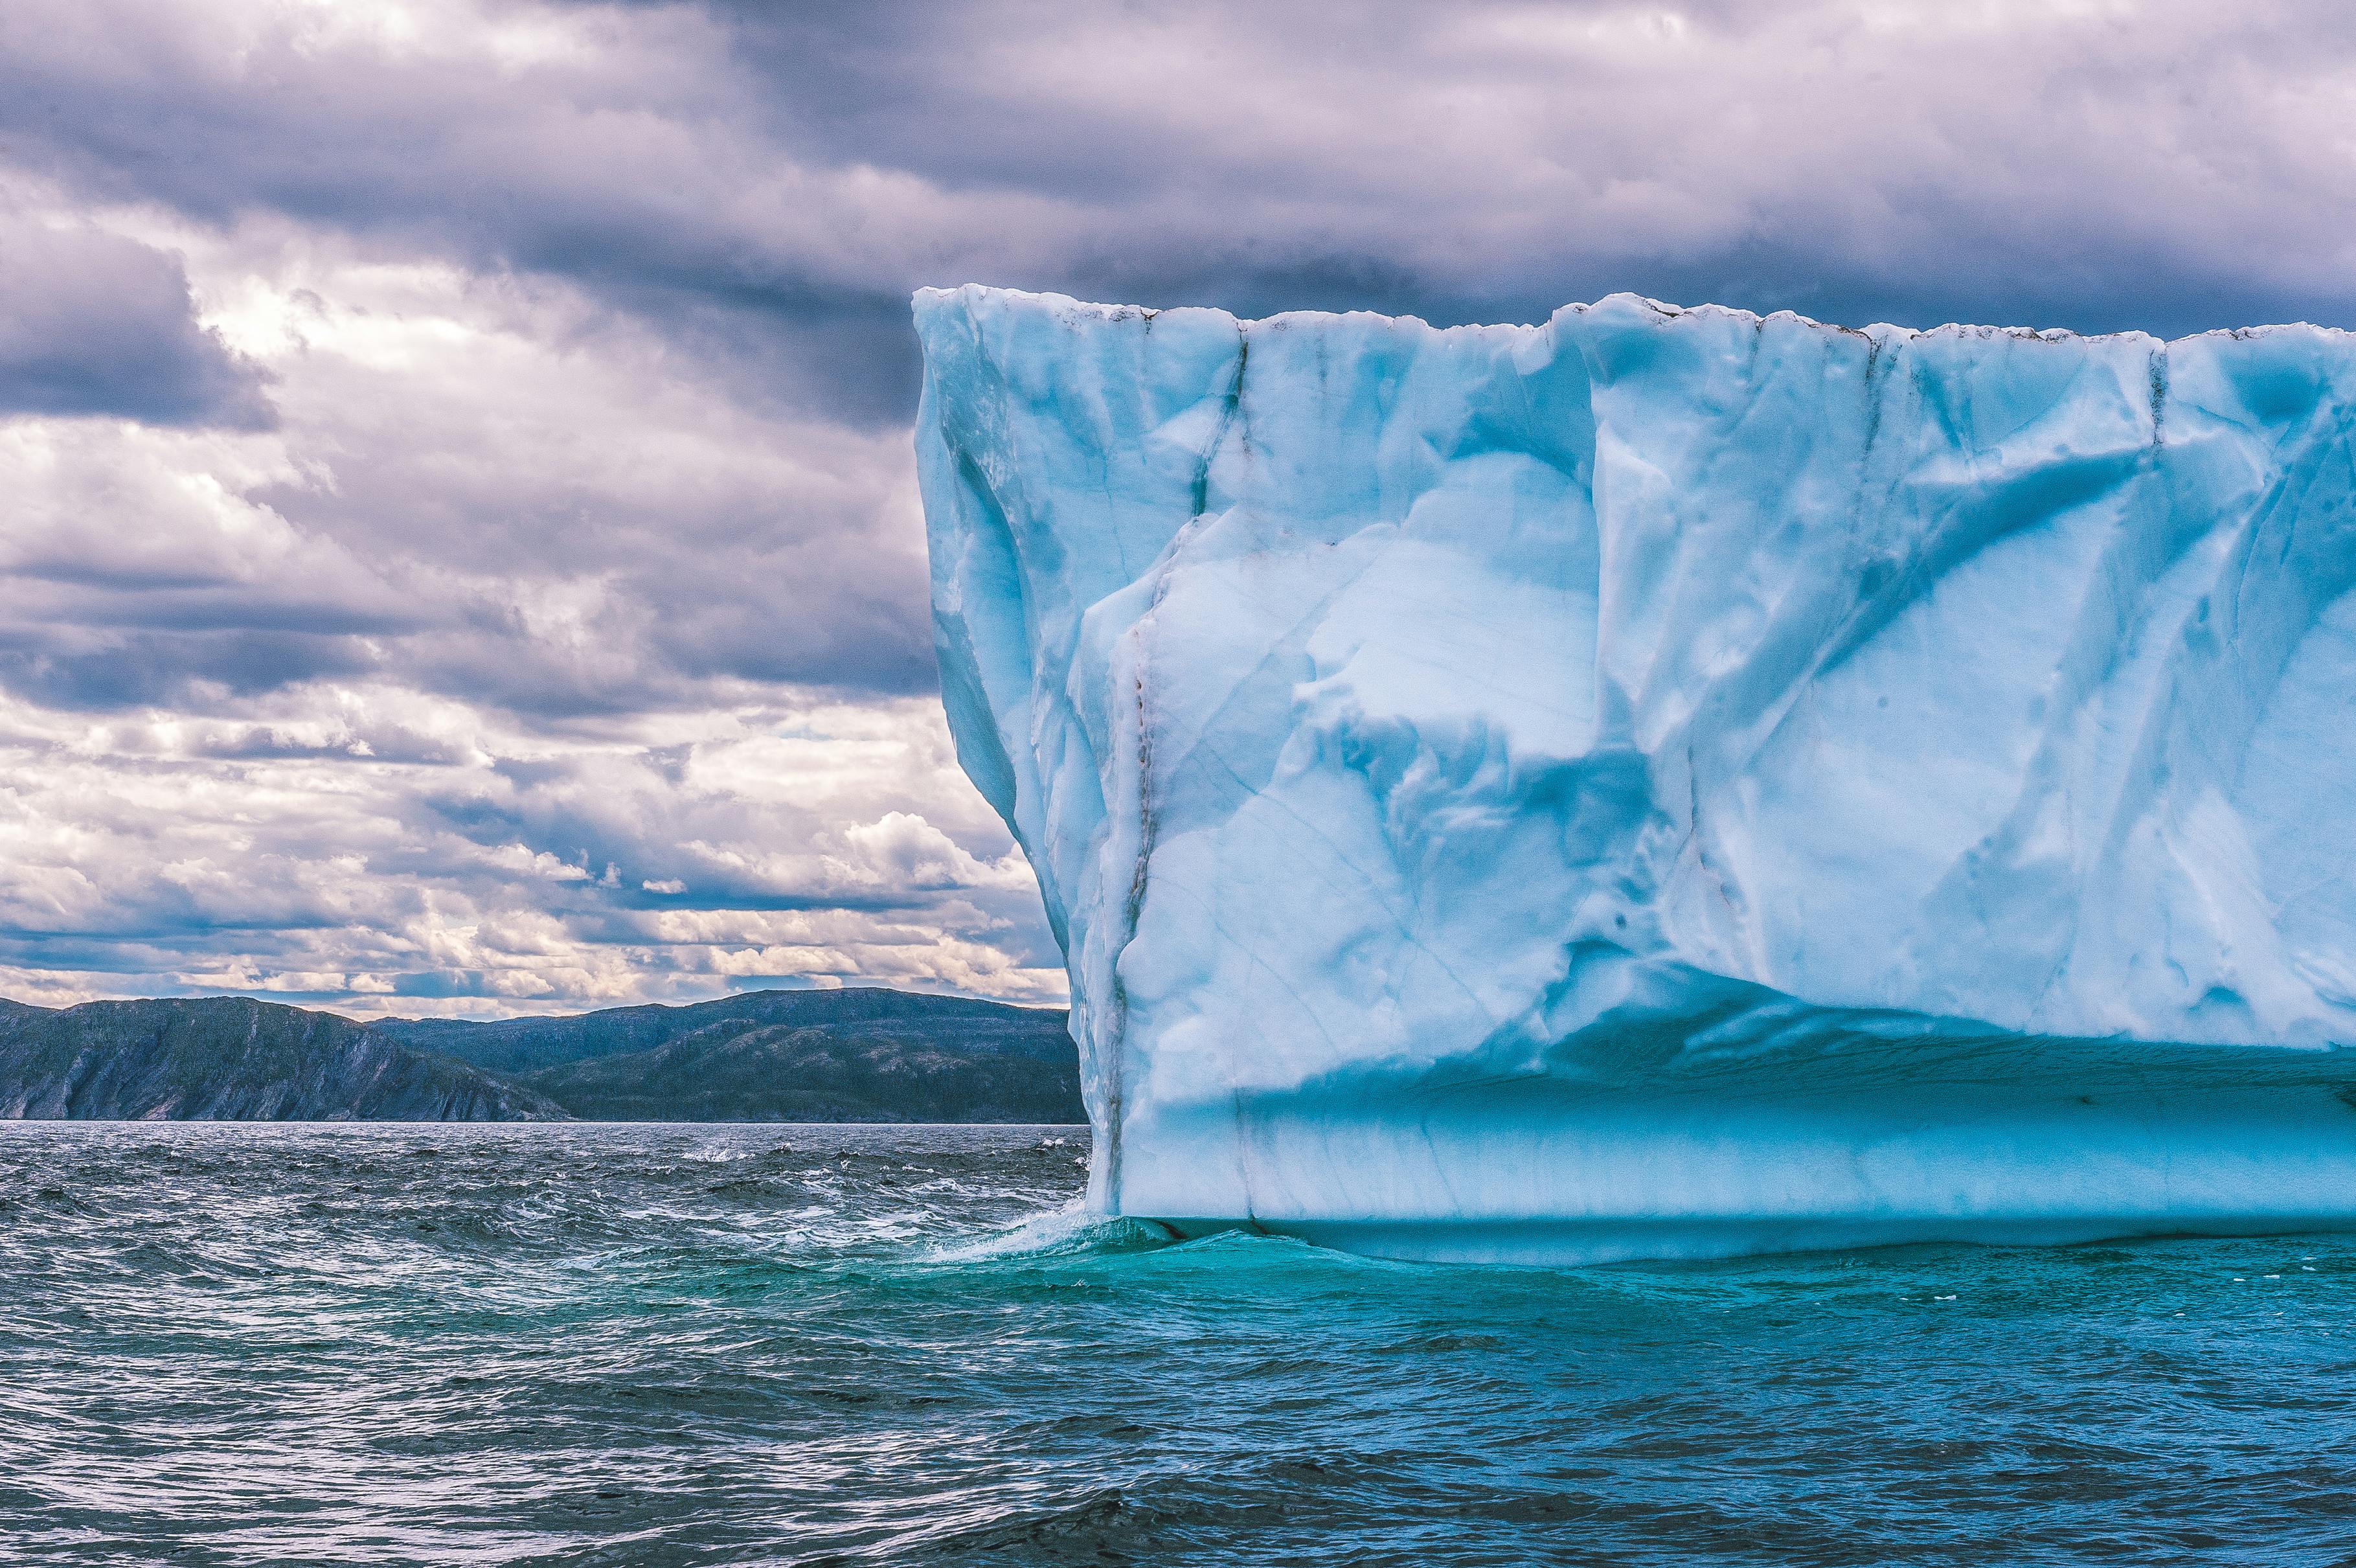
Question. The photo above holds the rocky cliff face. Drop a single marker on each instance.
(229, 1058)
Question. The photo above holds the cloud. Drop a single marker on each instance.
(765, 184)
(462, 550)
(495, 491)
(316, 849)
(94, 323)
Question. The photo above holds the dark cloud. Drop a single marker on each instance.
(506, 447)
(770, 182)
(139, 670)
(94, 323)
(2089, 168)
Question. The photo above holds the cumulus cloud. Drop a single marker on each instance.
(480, 486)
(386, 854)
(91, 323)
(461, 552)
(769, 181)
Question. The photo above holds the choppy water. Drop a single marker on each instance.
(670, 1345)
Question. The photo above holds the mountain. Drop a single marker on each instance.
(229, 1059)
(853, 1055)
(858, 1054)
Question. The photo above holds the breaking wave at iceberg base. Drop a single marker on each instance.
(1069, 1229)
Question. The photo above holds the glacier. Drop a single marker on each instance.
(1668, 782)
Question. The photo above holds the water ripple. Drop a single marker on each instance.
(652, 1345)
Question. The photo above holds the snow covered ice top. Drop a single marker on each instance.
(1668, 781)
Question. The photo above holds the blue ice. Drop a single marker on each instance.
(1668, 782)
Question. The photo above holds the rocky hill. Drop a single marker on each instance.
(858, 1054)
(229, 1058)
(852, 1054)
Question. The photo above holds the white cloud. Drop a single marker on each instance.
(140, 862)
(513, 597)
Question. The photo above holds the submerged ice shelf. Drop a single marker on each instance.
(1669, 782)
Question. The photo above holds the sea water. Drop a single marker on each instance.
(635, 1345)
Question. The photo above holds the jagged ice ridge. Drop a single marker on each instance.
(1668, 782)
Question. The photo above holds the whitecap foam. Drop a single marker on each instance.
(1069, 1229)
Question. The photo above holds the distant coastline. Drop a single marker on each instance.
(858, 1053)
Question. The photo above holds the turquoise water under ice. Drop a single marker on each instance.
(239, 1344)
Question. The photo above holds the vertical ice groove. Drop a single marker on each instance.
(1668, 781)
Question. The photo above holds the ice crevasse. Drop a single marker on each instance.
(1668, 782)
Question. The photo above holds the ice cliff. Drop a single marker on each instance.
(1668, 781)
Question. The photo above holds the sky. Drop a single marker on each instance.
(459, 545)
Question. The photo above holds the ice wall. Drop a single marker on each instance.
(1668, 781)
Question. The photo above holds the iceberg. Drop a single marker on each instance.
(1668, 782)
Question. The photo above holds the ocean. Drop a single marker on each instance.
(234, 1344)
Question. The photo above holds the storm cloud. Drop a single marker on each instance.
(91, 323)
(461, 549)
